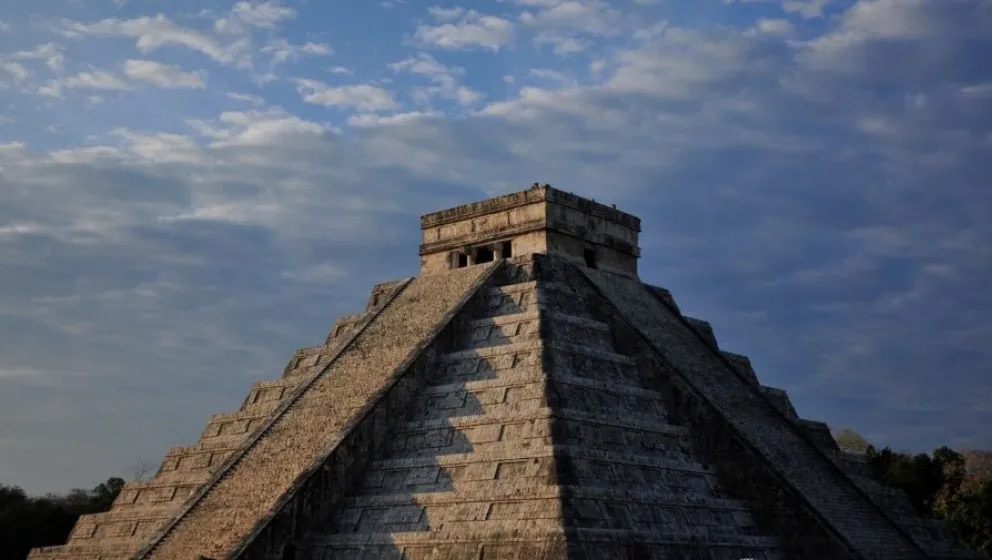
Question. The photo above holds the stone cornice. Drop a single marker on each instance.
(523, 198)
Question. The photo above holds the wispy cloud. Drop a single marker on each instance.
(154, 32)
(460, 29)
(163, 75)
(281, 50)
(364, 97)
(445, 80)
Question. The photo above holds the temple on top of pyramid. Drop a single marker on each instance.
(527, 396)
(538, 220)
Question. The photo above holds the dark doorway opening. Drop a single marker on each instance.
(462, 260)
(590, 256)
(506, 249)
(484, 255)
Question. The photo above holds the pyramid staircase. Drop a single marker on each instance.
(537, 439)
(527, 409)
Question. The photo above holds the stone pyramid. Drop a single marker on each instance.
(525, 397)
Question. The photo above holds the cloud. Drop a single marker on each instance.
(254, 128)
(445, 80)
(553, 76)
(780, 27)
(583, 16)
(361, 96)
(147, 71)
(51, 53)
(807, 9)
(568, 25)
(163, 75)
(446, 14)
(246, 97)
(470, 29)
(97, 79)
(152, 33)
(16, 70)
(262, 14)
(281, 50)
(4, 26)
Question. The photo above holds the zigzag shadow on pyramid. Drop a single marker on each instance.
(542, 406)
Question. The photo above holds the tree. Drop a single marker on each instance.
(952, 465)
(141, 470)
(969, 515)
(850, 441)
(920, 476)
(28, 522)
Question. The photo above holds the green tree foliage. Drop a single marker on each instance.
(27, 522)
(969, 514)
(939, 487)
(920, 476)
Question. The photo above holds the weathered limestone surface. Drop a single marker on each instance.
(144, 507)
(228, 508)
(539, 220)
(538, 439)
(829, 491)
(533, 408)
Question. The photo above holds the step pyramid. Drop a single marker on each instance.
(525, 397)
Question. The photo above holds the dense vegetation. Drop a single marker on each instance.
(956, 487)
(27, 522)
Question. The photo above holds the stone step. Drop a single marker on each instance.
(626, 421)
(198, 457)
(486, 363)
(153, 494)
(509, 299)
(263, 393)
(515, 288)
(530, 388)
(517, 327)
(535, 345)
(699, 521)
(566, 387)
(474, 491)
(505, 329)
(91, 551)
(118, 528)
(517, 540)
(527, 296)
(574, 452)
(344, 325)
(240, 422)
(570, 464)
(526, 400)
(198, 476)
(504, 423)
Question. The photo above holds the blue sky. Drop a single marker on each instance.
(190, 190)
